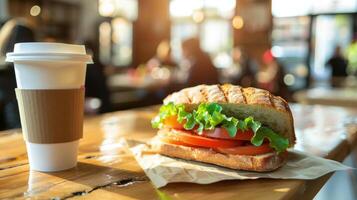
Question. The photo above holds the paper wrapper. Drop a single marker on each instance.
(163, 170)
(51, 116)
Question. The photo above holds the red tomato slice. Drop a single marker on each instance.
(199, 141)
(222, 133)
(247, 150)
(172, 122)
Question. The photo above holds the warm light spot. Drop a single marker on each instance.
(289, 79)
(237, 22)
(282, 190)
(104, 41)
(35, 10)
(104, 34)
(106, 8)
(301, 70)
(198, 16)
(163, 50)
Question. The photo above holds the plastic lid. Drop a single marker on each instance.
(45, 51)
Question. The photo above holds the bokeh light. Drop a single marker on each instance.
(198, 16)
(237, 22)
(35, 10)
(289, 79)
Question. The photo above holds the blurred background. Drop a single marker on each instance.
(302, 50)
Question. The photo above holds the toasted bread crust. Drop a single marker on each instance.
(259, 163)
(231, 96)
(227, 93)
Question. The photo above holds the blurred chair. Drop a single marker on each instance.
(13, 31)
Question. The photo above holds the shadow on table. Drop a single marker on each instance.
(89, 178)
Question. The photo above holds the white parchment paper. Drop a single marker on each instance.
(163, 170)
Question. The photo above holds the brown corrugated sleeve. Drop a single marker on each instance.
(51, 116)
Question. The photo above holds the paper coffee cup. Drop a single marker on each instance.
(50, 79)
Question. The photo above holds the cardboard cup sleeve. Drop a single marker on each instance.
(51, 116)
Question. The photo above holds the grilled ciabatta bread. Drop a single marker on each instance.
(270, 110)
(261, 163)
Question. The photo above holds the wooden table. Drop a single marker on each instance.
(346, 97)
(106, 170)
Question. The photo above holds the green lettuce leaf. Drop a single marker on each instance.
(164, 112)
(277, 142)
(209, 116)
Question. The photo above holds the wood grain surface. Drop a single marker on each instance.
(106, 170)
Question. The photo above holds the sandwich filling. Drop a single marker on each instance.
(208, 127)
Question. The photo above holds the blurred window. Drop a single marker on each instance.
(326, 41)
(122, 37)
(179, 32)
(333, 6)
(224, 9)
(290, 8)
(208, 19)
(124, 8)
(290, 47)
(116, 32)
(184, 8)
(216, 36)
(291, 31)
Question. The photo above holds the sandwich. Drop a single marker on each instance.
(226, 125)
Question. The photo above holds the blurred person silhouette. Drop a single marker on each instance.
(13, 31)
(271, 76)
(338, 65)
(96, 83)
(201, 70)
(163, 56)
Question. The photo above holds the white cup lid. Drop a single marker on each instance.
(44, 51)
